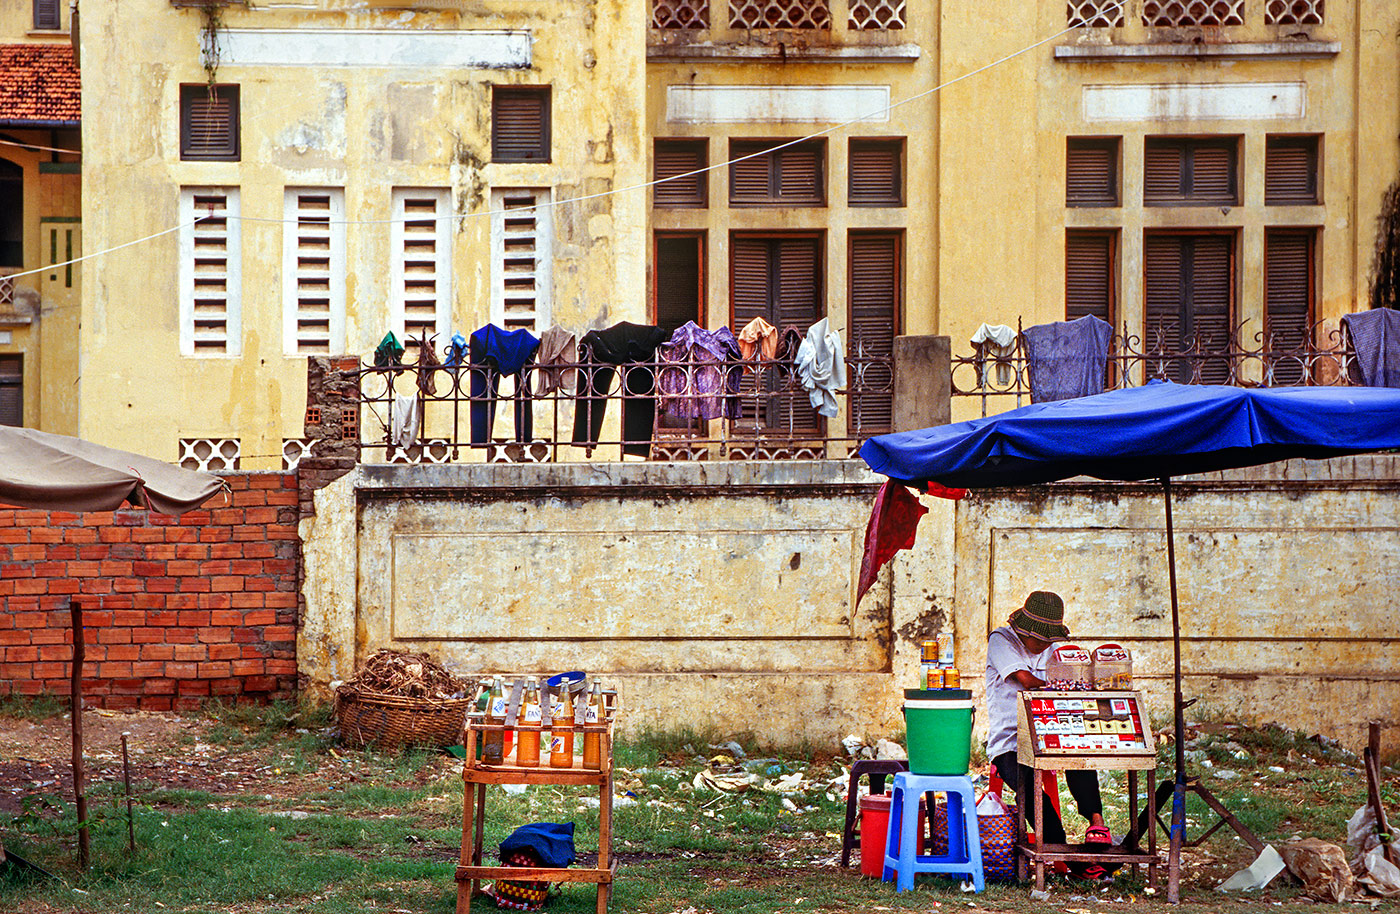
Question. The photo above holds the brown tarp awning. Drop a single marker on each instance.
(58, 473)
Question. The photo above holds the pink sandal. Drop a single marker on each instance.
(1098, 834)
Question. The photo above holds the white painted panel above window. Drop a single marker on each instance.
(211, 321)
(1204, 102)
(522, 241)
(313, 271)
(420, 292)
(771, 104)
(471, 49)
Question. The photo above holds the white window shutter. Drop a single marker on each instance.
(522, 240)
(313, 271)
(421, 290)
(211, 319)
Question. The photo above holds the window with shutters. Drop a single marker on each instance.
(1191, 171)
(47, 14)
(210, 272)
(1091, 274)
(1289, 265)
(780, 280)
(11, 214)
(875, 295)
(1091, 171)
(788, 176)
(420, 293)
(209, 119)
(1189, 292)
(522, 240)
(1291, 170)
(678, 279)
(520, 117)
(875, 172)
(313, 271)
(680, 167)
(12, 390)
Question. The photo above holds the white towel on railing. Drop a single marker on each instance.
(998, 342)
(821, 366)
(403, 421)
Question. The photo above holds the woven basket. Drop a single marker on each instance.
(392, 722)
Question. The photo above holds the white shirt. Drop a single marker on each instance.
(1006, 655)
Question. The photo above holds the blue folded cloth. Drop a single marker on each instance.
(1375, 335)
(552, 842)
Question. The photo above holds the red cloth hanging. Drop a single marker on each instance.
(892, 526)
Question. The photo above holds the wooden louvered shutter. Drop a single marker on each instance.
(1162, 174)
(678, 280)
(1163, 300)
(1089, 275)
(672, 158)
(800, 173)
(1290, 171)
(1288, 285)
(1212, 175)
(874, 317)
(209, 120)
(749, 284)
(520, 124)
(1091, 172)
(12, 390)
(875, 173)
(749, 177)
(797, 306)
(46, 16)
(1212, 282)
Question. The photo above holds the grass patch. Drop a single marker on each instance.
(44, 706)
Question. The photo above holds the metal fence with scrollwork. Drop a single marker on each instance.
(1002, 379)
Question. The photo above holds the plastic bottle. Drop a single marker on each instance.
(593, 742)
(527, 753)
(493, 741)
(561, 741)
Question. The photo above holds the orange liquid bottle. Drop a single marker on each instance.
(561, 741)
(527, 753)
(593, 742)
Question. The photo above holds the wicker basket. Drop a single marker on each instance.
(391, 722)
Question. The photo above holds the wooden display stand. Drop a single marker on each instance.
(477, 775)
(1095, 731)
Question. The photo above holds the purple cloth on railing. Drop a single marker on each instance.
(1067, 359)
(704, 384)
(1375, 335)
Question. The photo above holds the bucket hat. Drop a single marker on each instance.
(1042, 616)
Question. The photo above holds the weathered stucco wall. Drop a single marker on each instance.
(721, 595)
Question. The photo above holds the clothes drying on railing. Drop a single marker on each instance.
(558, 347)
(760, 337)
(996, 342)
(821, 367)
(1067, 359)
(388, 352)
(704, 384)
(601, 353)
(403, 420)
(495, 352)
(789, 342)
(456, 355)
(1375, 335)
(428, 364)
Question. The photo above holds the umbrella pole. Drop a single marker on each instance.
(1178, 830)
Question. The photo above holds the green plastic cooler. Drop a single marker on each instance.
(938, 730)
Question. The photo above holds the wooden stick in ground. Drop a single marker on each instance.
(79, 775)
(126, 781)
(1372, 758)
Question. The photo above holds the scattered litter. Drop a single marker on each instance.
(888, 749)
(1226, 774)
(1257, 875)
(1277, 769)
(289, 813)
(515, 789)
(1038, 895)
(1372, 870)
(731, 747)
(1322, 868)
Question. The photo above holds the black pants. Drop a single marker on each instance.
(1083, 786)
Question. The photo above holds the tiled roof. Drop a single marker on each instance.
(38, 84)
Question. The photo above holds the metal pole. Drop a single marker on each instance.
(126, 780)
(79, 775)
(1178, 831)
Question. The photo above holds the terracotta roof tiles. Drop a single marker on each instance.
(38, 84)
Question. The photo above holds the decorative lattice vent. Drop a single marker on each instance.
(1294, 12)
(209, 454)
(293, 449)
(877, 14)
(1097, 14)
(680, 14)
(1175, 13)
(779, 14)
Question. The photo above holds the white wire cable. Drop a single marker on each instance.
(104, 251)
(38, 148)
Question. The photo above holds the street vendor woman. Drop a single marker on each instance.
(1016, 658)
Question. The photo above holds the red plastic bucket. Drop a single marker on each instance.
(874, 826)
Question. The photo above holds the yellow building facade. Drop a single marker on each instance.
(40, 224)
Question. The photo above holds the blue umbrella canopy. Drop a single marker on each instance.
(1151, 432)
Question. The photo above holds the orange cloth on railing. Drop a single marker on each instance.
(758, 336)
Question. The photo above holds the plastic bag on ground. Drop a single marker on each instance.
(1322, 868)
(1257, 875)
(1373, 872)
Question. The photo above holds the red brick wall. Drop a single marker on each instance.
(175, 611)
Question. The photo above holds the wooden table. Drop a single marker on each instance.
(1032, 753)
(477, 776)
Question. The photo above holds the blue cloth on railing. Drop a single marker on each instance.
(552, 842)
(456, 355)
(1067, 359)
(704, 384)
(495, 352)
(1375, 335)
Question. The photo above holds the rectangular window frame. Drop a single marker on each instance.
(193, 97)
(1113, 239)
(203, 245)
(12, 389)
(876, 375)
(1189, 149)
(673, 156)
(742, 156)
(701, 239)
(1277, 170)
(48, 16)
(1080, 155)
(1312, 236)
(303, 233)
(1232, 310)
(407, 236)
(521, 98)
(894, 147)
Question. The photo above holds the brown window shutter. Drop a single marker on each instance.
(790, 176)
(46, 16)
(874, 299)
(875, 173)
(800, 174)
(1212, 279)
(12, 390)
(1212, 175)
(1162, 179)
(520, 125)
(671, 158)
(749, 177)
(678, 280)
(1089, 275)
(1162, 292)
(1091, 172)
(797, 306)
(1288, 295)
(1190, 172)
(1290, 171)
(209, 118)
(749, 281)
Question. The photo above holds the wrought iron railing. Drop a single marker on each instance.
(754, 409)
(1002, 380)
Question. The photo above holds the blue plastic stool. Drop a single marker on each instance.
(964, 855)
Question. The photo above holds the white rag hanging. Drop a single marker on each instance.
(403, 421)
(821, 366)
(997, 342)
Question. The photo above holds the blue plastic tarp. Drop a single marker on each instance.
(1151, 432)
